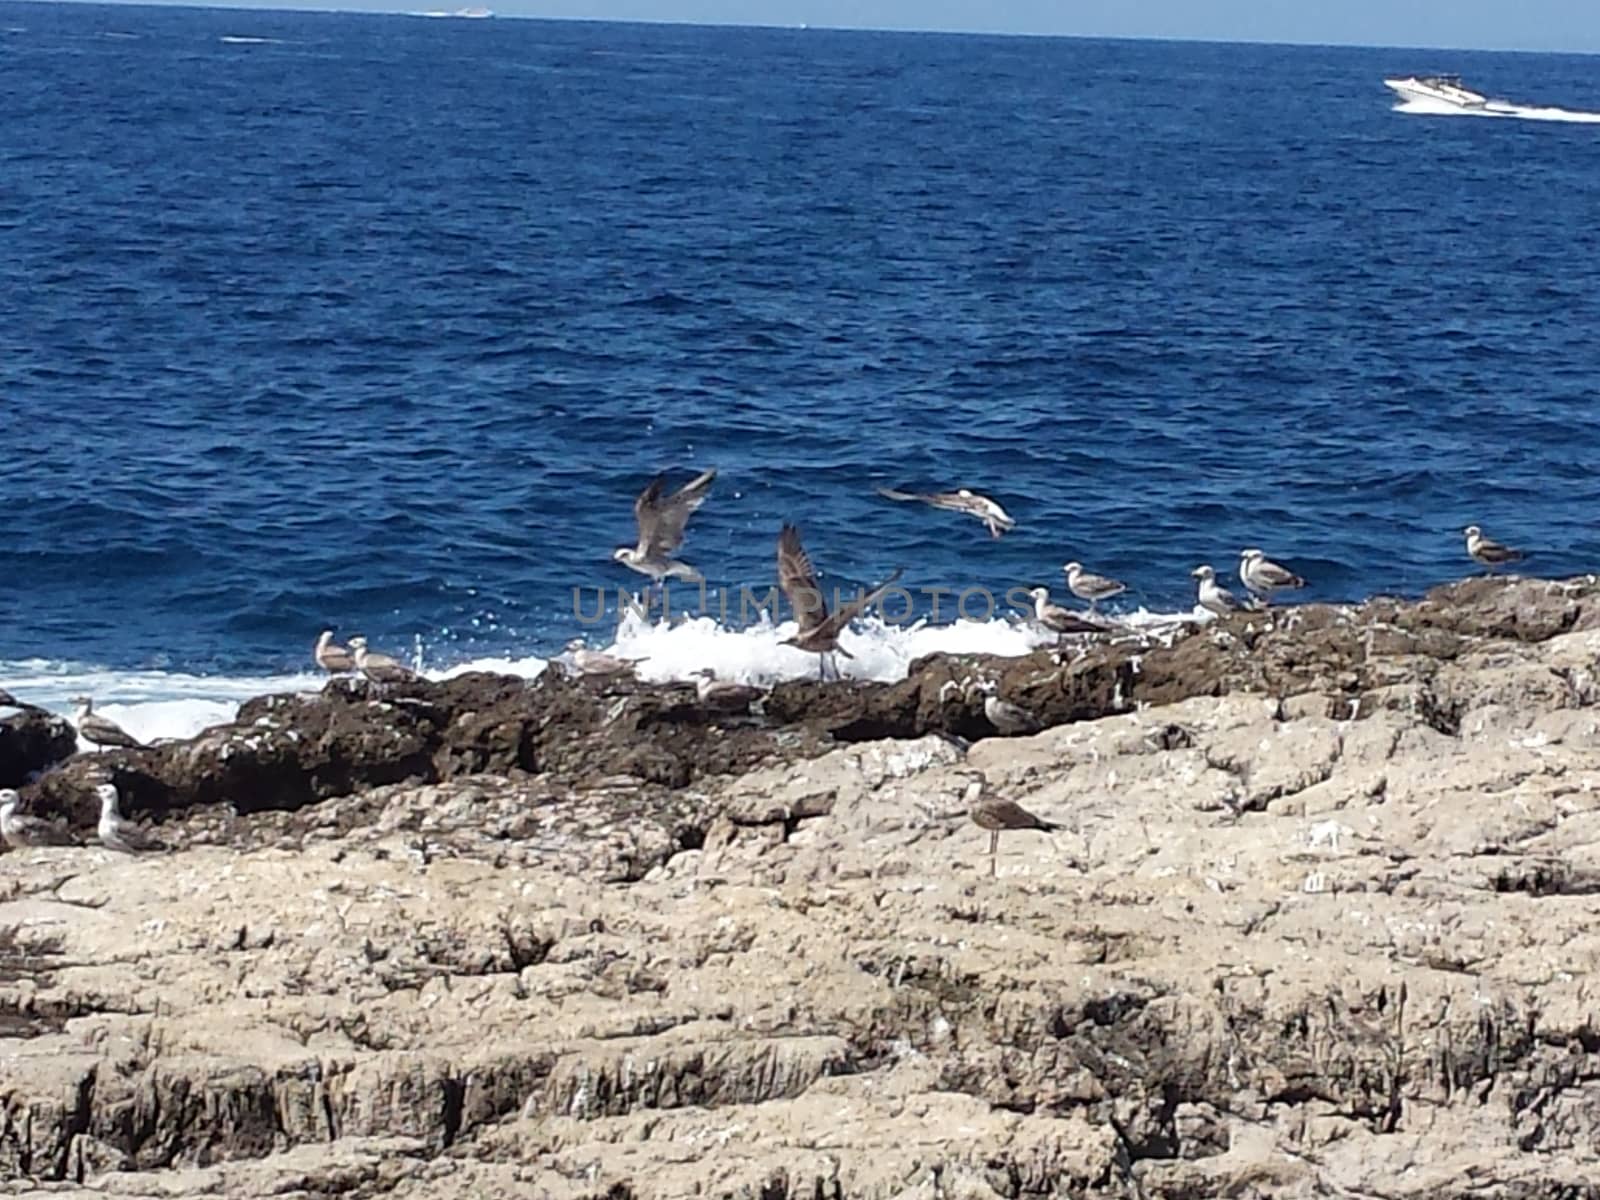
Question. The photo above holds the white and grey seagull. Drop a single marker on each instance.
(379, 668)
(1213, 596)
(1093, 588)
(662, 519)
(727, 695)
(115, 831)
(597, 662)
(1057, 619)
(1487, 551)
(102, 731)
(332, 657)
(962, 500)
(819, 629)
(1007, 718)
(1263, 576)
(23, 832)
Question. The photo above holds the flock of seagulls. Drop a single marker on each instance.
(114, 831)
(662, 522)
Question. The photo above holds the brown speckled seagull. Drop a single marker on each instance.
(819, 629)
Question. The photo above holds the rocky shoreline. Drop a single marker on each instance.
(1321, 922)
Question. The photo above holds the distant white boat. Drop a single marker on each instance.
(1438, 89)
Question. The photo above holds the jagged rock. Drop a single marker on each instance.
(32, 741)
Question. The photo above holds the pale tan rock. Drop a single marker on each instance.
(1280, 948)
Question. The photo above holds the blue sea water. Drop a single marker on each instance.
(380, 323)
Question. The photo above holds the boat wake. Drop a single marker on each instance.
(1498, 108)
(152, 704)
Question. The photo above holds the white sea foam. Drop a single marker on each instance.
(234, 40)
(1498, 108)
(167, 704)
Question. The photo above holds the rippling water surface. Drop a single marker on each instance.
(378, 322)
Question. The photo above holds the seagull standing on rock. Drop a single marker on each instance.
(116, 832)
(1263, 576)
(23, 832)
(1213, 596)
(727, 695)
(1056, 619)
(1487, 551)
(379, 668)
(661, 520)
(962, 500)
(1008, 719)
(1093, 588)
(332, 657)
(995, 813)
(102, 731)
(597, 662)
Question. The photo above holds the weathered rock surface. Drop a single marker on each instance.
(30, 741)
(1333, 936)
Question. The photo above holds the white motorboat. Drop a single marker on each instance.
(1437, 89)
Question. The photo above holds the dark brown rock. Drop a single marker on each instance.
(31, 741)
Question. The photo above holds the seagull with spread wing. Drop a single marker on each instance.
(962, 500)
(661, 519)
(819, 629)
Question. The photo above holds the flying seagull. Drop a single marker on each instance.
(1057, 619)
(819, 630)
(1213, 596)
(332, 657)
(117, 833)
(1489, 552)
(1263, 576)
(379, 668)
(662, 519)
(102, 731)
(1093, 588)
(995, 813)
(24, 832)
(962, 500)
(726, 695)
(596, 662)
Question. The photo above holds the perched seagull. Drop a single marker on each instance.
(332, 657)
(1489, 552)
(596, 662)
(1007, 718)
(1213, 596)
(994, 813)
(117, 833)
(102, 731)
(1263, 576)
(661, 521)
(819, 630)
(724, 694)
(379, 668)
(24, 832)
(962, 500)
(1057, 619)
(1093, 588)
